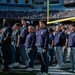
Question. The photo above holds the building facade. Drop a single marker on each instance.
(23, 5)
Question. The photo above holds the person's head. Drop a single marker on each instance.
(42, 23)
(23, 21)
(6, 22)
(30, 29)
(58, 28)
(72, 27)
(37, 28)
(50, 30)
(16, 26)
(63, 28)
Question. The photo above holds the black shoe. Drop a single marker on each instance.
(50, 64)
(5, 70)
(17, 67)
(1, 67)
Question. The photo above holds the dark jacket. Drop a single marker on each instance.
(30, 40)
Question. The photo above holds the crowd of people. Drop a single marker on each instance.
(20, 14)
(62, 13)
(36, 15)
(21, 46)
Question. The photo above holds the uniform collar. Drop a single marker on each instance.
(43, 28)
(72, 31)
(24, 26)
(16, 30)
(59, 31)
(31, 32)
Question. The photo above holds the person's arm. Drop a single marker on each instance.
(18, 41)
(33, 38)
(25, 32)
(66, 41)
(8, 33)
(4, 36)
(52, 41)
(52, 44)
(18, 38)
(46, 41)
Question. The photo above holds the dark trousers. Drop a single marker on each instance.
(72, 57)
(64, 55)
(51, 53)
(43, 59)
(30, 57)
(36, 55)
(17, 54)
(23, 54)
(31, 63)
(6, 55)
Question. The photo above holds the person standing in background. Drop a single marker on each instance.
(29, 47)
(50, 45)
(71, 45)
(65, 43)
(42, 45)
(1, 55)
(23, 34)
(15, 52)
(59, 43)
(37, 36)
(6, 43)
